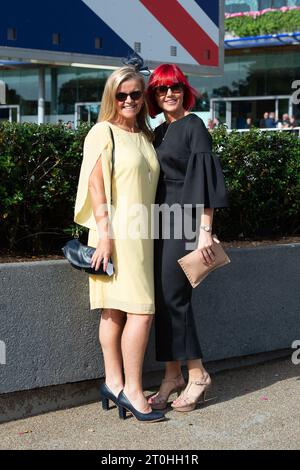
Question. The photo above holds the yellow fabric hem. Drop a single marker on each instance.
(142, 309)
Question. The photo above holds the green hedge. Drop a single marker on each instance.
(39, 170)
(262, 171)
(269, 23)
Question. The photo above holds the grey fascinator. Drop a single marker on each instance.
(137, 62)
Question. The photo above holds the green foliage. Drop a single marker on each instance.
(40, 165)
(269, 23)
(39, 169)
(262, 173)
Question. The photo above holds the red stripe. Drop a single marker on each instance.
(185, 30)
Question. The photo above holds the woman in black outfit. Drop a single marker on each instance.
(190, 175)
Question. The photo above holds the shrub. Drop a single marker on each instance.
(39, 171)
(269, 23)
(262, 172)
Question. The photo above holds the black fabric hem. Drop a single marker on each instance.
(180, 359)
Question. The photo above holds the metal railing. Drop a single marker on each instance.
(294, 130)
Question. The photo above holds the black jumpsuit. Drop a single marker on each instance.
(190, 174)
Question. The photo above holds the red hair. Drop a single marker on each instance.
(167, 74)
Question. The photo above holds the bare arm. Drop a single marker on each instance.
(205, 241)
(99, 204)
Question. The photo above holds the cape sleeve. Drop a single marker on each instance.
(204, 180)
(97, 143)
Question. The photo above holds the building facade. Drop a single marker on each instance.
(237, 6)
(256, 79)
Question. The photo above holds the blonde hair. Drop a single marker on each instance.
(108, 109)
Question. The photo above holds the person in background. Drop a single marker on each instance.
(293, 122)
(210, 125)
(249, 123)
(285, 122)
(262, 122)
(216, 122)
(270, 122)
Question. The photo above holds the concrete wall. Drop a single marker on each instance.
(51, 337)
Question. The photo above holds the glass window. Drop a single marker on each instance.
(272, 4)
(79, 85)
(236, 6)
(279, 3)
(22, 87)
(251, 74)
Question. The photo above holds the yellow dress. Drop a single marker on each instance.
(134, 183)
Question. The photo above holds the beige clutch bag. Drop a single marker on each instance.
(194, 268)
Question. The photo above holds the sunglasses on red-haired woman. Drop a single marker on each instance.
(163, 89)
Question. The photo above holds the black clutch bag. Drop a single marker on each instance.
(79, 255)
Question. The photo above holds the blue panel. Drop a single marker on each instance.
(35, 22)
(211, 8)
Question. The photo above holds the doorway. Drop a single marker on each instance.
(234, 111)
(86, 112)
(10, 113)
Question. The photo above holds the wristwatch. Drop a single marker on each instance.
(206, 227)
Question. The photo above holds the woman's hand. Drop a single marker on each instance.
(103, 252)
(205, 244)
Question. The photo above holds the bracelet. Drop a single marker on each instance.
(206, 227)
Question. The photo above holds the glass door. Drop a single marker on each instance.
(240, 112)
(10, 113)
(283, 107)
(86, 112)
(261, 107)
(219, 111)
(250, 112)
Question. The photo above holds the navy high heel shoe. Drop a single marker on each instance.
(125, 405)
(106, 394)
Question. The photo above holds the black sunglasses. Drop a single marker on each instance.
(175, 88)
(134, 95)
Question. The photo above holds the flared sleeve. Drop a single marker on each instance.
(204, 180)
(97, 143)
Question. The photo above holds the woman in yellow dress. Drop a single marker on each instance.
(118, 215)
